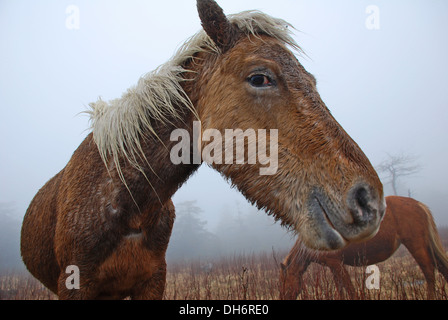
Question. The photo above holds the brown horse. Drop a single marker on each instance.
(108, 212)
(406, 222)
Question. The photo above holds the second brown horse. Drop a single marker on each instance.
(406, 222)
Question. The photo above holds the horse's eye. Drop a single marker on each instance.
(260, 81)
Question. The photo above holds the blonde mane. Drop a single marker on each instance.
(119, 124)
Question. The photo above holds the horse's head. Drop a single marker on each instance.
(291, 280)
(322, 184)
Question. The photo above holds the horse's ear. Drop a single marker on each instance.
(215, 23)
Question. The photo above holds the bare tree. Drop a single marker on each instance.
(396, 167)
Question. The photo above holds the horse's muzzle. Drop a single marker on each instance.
(337, 223)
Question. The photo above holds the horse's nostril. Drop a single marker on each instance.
(361, 205)
(362, 197)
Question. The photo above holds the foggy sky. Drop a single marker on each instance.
(386, 87)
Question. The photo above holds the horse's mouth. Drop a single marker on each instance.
(325, 214)
(328, 237)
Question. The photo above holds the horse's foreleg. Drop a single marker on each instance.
(342, 279)
(67, 290)
(153, 288)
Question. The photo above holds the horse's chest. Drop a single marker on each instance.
(130, 264)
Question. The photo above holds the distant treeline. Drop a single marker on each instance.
(237, 232)
(10, 224)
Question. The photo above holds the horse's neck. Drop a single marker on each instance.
(160, 178)
(299, 254)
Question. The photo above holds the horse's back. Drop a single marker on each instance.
(411, 217)
(38, 231)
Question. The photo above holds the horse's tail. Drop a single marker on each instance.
(436, 245)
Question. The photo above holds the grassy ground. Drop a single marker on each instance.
(255, 276)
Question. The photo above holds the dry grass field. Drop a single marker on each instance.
(255, 277)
